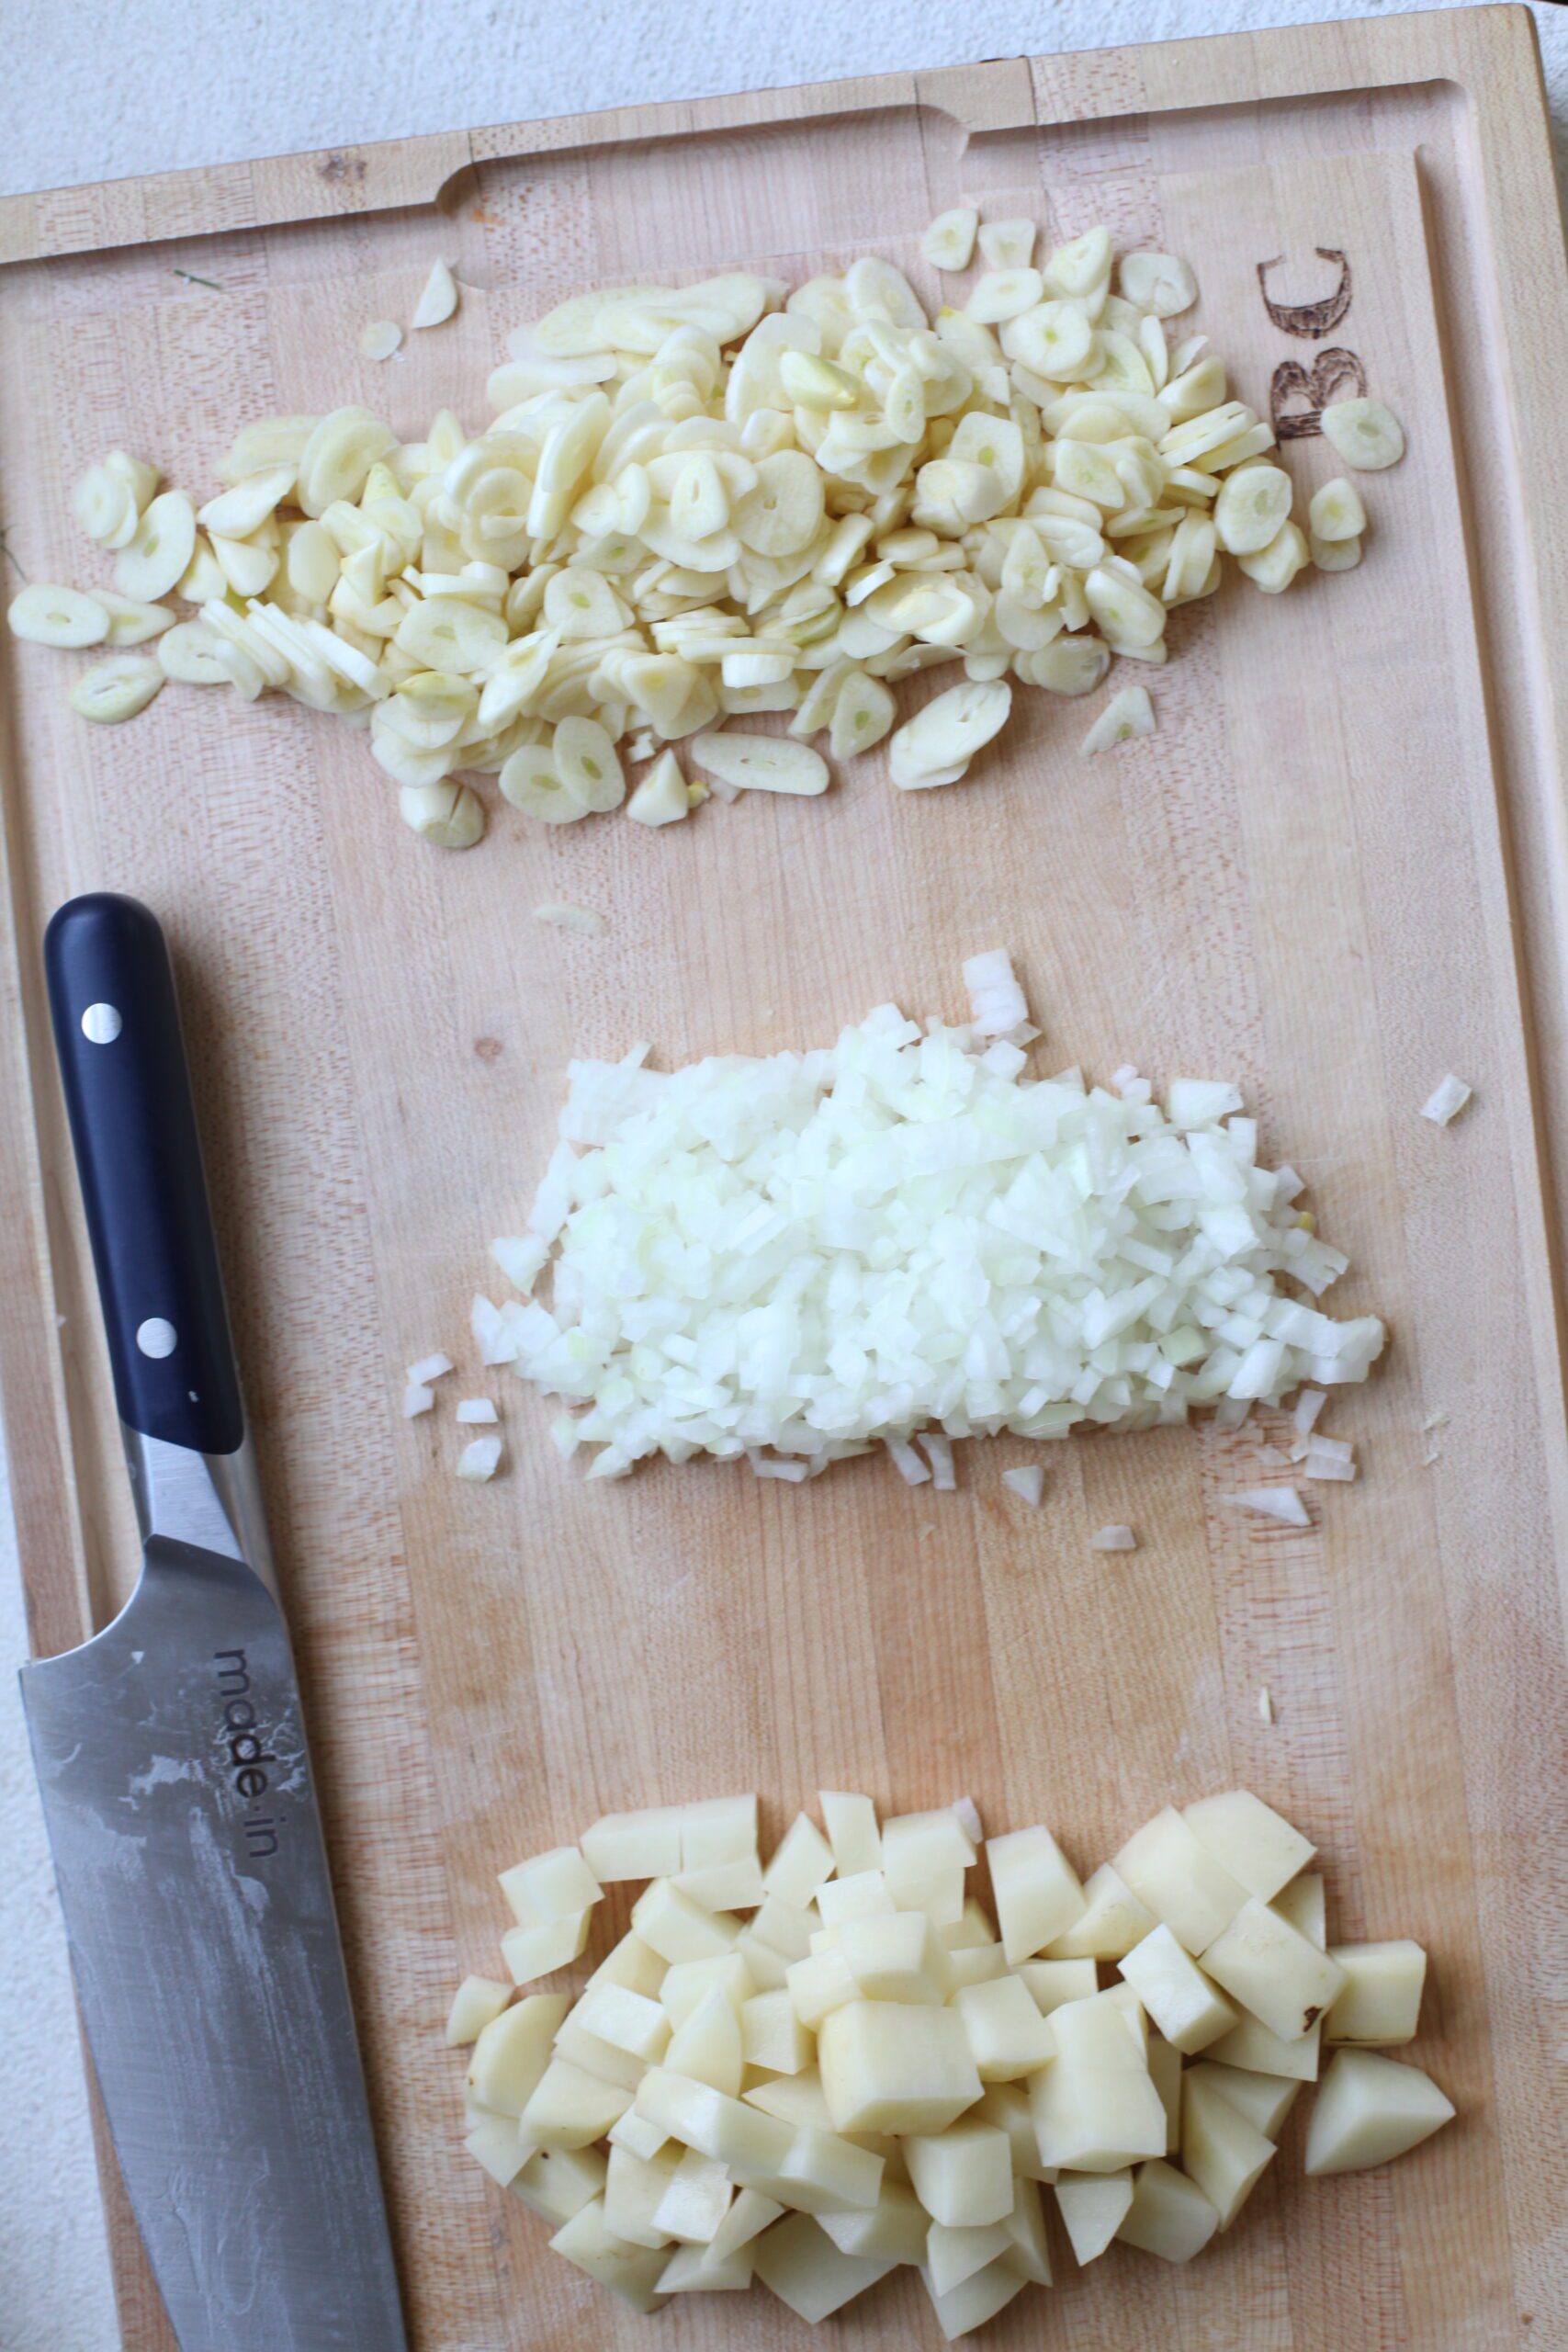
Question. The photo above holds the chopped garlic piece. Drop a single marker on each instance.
(1159, 283)
(937, 746)
(1113, 1539)
(1333, 555)
(1446, 1100)
(1127, 714)
(478, 1459)
(761, 762)
(380, 339)
(570, 918)
(1366, 434)
(477, 1408)
(949, 241)
(439, 300)
(451, 815)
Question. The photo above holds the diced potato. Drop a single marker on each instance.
(797, 2099)
(633, 2190)
(706, 2044)
(1006, 2105)
(1224, 2153)
(977, 1963)
(978, 2299)
(784, 1927)
(635, 1845)
(678, 1929)
(1169, 2214)
(963, 2175)
(1037, 1892)
(1111, 1922)
(825, 2172)
(851, 1823)
(900, 1958)
(1008, 2036)
(863, 1896)
(819, 1985)
(893, 2230)
(1370, 2110)
(1256, 2050)
(1088, 2119)
(559, 2182)
(749, 2215)
(635, 2132)
(1174, 1875)
(1105, 2030)
(513, 2051)
(924, 1857)
(1255, 1845)
(1380, 2003)
(1093, 2207)
(571, 2110)
(1188, 2010)
(1264, 2099)
(478, 2001)
(724, 1886)
(718, 1830)
(1029, 2251)
(629, 2271)
(772, 2036)
(531, 1952)
(1278, 1977)
(803, 1860)
(627, 2020)
(752, 2144)
(954, 2255)
(556, 1885)
(767, 1966)
(971, 1930)
(688, 1980)
(695, 2199)
(693, 2269)
(494, 2143)
(602, 2058)
(887, 2067)
(805, 2269)
(1052, 1982)
(1304, 1902)
(633, 1963)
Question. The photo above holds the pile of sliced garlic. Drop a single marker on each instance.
(793, 1258)
(812, 2072)
(700, 504)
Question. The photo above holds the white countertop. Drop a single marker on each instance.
(96, 93)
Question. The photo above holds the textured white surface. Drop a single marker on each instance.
(192, 82)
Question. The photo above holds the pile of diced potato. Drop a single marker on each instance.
(811, 2072)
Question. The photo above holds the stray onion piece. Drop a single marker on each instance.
(810, 2072)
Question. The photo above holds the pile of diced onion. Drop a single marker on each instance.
(800, 1256)
(696, 505)
(811, 2074)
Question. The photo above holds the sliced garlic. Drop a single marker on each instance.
(189, 651)
(949, 241)
(531, 781)
(588, 764)
(1008, 244)
(1366, 434)
(864, 711)
(202, 578)
(152, 562)
(1056, 340)
(1251, 507)
(1070, 665)
(1004, 294)
(132, 623)
(1335, 555)
(1274, 566)
(235, 514)
(1336, 512)
(105, 505)
(379, 339)
(661, 798)
(439, 300)
(1159, 283)
(450, 815)
(936, 745)
(761, 762)
(46, 614)
(1126, 713)
(116, 688)
(1078, 268)
(817, 383)
(248, 565)
(139, 477)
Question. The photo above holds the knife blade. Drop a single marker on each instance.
(171, 1751)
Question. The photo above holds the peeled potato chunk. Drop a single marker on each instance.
(1370, 2110)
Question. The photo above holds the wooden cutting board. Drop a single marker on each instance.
(1338, 871)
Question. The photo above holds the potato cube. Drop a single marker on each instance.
(599, 2058)
(805, 2269)
(1174, 1875)
(1264, 2099)
(749, 2215)
(1164, 2073)
(556, 2183)
(568, 2108)
(635, 2132)
(1277, 1976)
(478, 2001)
(629, 2271)
(627, 2020)
(803, 1860)
(706, 2044)
(897, 1959)
(1370, 2110)
(963, 2175)
(978, 2299)
(1008, 2036)
(634, 1845)
(1028, 2250)
(686, 1983)
(1091, 2118)
(887, 2067)
(531, 1952)
(954, 2255)
(797, 2099)
(693, 2269)
(695, 2199)
(679, 1928)
(1037, 1892)
(768, 1967)
(633, 1963)
(718, 1830)
(971, 1930)
(724, 1886)
(1006, 2106)
(820, 1985)
(1380, 2002)
(893, 2230)
(1256, 2050)
(1176, 1993)
(920, 1851)
(494, 2142)
(1224, 2153)
(1105, 2032)
(752, 2144)
(1052, 1982)
(771, 2034)
(863, 1896)
(1304, 1902)
(977, 1963)
(1255, 1845)
(634, 2189)
(786, 1929)
(940, 1897)
(850, 1823)
(556, 1885)
(1093, 2207)
(513, 2051)
(1111, 1922)
(1169, 2214)
(825, 2172)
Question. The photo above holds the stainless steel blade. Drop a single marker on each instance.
(175, 1783)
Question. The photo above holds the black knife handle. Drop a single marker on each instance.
(122, 1064)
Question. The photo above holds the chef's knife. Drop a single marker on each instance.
(171, 1757)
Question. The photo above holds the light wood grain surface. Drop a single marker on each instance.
(1336, 871)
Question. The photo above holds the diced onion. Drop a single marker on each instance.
(1446, 1100)
(1113, 1539)
(1282, 1503)
(1026, 1482)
